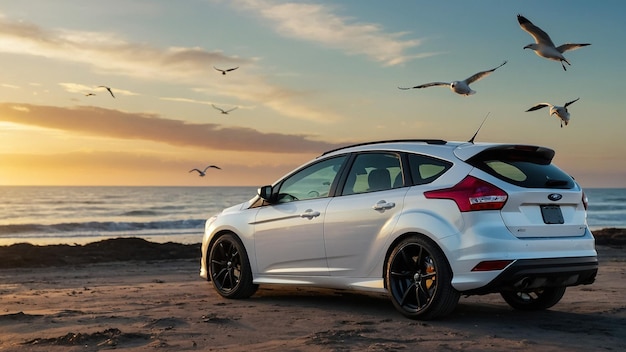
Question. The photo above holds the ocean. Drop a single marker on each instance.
(78, 215)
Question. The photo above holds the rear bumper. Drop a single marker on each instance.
(533, 274)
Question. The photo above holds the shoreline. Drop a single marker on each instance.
(26, 255)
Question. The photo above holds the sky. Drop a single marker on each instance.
(311, 76)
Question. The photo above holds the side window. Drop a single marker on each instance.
(425, 169)
(374, 172)
(314, 181)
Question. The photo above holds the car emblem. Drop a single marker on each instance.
(554, 197)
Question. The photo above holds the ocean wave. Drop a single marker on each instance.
(607, 208)
(171, 207)
(140, 213)
(94, 226)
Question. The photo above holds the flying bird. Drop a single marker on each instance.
(225, 112)
(543, 45)
(560, 111)
(226, 70)
(89, 94)
(459, 87)
(202, 173)
(109, 89)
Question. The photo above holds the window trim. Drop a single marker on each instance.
(414, 182)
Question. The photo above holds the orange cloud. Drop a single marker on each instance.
(110, 123)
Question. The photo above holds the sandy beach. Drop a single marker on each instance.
(162, 304)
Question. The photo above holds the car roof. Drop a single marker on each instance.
(435, 147)
(393, 144)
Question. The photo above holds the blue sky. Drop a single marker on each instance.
(312, 76)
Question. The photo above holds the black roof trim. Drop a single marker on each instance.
(427, 141)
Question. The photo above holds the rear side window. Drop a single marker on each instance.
(426, 169)
(524, 167)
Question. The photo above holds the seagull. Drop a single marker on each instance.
(227, 70)
(543, 45)
(109, 89)
(203, 172)
(225, 112)
(459, 87)
(89, 94)
(560, 111)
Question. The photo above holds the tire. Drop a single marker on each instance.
(535, 300)
(229, 268)
(418, 278)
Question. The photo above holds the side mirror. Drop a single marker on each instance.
(265, 193)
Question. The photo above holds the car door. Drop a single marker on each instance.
(289, 234)
(359, 221)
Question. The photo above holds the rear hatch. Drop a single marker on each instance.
(543, 200)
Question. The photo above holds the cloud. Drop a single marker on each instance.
(282, 100)
(11, 86)
(317, 23)
(111, 54)
(20, 108)
(81, 88)
(97, 121)
(187, 100)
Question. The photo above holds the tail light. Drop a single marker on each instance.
(585, 201)
(472, 194)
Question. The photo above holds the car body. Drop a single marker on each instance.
(424, 220)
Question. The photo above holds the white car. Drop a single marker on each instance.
(424, 220)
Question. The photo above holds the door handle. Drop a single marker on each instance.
(310, 214)
(383, 205)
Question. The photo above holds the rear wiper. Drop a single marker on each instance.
(552, 183)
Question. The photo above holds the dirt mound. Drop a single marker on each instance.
(615, 237)
(118, 249)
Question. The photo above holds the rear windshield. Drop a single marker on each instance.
(529, 168)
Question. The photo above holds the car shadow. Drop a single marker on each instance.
(486, 315)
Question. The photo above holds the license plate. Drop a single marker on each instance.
(552, 214)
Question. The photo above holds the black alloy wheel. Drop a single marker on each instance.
(418, 278)
(229, 268)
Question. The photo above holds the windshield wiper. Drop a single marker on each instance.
(556, 183)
